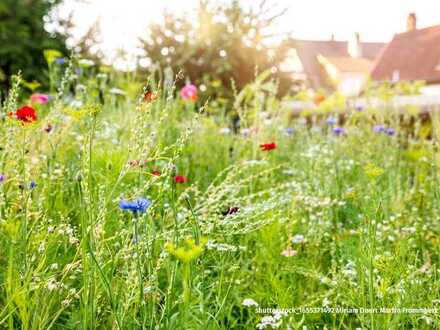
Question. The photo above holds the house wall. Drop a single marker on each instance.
(350, 84)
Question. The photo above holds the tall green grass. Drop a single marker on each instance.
(324, 220)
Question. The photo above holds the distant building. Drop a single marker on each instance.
(333, 65)
(413, 55)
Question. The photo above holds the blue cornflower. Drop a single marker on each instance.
(2, 178)
(359, 108)
(60, 61)
(137, 205)
(32, 185)
(338, 130)
(289, 130)
(379, 128)
(390, 131)
(331, 121)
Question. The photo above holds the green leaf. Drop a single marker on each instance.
(33, 85)
(51, 55)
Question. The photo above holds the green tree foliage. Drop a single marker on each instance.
(23, 38)
(221, 44)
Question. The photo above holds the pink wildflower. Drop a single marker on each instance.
(189, 92)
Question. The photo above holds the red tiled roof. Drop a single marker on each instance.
(351, 64)
(308, 51)
(414, 54)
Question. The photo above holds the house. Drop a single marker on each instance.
(410, 56)
(333, 65)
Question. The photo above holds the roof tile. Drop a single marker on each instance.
(415, 55)
(308, 51)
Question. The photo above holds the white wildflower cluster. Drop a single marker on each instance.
(408, 230)
(225, 131)
(108, 131)
(249, 302)
(245, 132)
(312, 203)
(52, 284)
(298, 239)
(289, 253)
(349, 270)
(116, 91)
(98, 230)
(42, 247)
(223, 247)
(273, 321)
(77, 104)
(68, 231)
(84, 62)
(316, 129)
(317, 151)
(72, 295)
(345, 164)
(254, 162)
(327, 281)
(289, 171)
(56, 174)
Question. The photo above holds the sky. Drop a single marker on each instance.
(122, 22)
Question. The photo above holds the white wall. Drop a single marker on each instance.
(351, 83)
(431, 90)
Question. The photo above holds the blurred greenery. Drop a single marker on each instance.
(222, 48)
(23, 38)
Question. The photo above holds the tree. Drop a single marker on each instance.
(224, 43)
(23, 38)
(88, 45)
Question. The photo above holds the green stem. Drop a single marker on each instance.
(186, 283)
(139, 269)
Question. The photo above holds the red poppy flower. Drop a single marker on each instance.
(180, 179)
(268, 146)
(149, 96)
(25, 114)
(156, 173)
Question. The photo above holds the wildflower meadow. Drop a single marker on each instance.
(127, 205)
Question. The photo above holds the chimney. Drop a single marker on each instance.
(396, 76)
(354, 48)
(411, 23)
